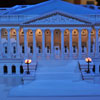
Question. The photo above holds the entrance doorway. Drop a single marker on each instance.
(57, 50)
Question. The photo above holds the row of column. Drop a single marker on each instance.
(52, 43)
(62, 42)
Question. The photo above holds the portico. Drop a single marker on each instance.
(28, 42)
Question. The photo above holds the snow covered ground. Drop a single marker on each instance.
(57, 78)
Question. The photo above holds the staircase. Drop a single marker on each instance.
(58, 70)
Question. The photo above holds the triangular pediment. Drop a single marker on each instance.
(56, 18)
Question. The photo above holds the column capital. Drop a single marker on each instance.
(89, 29)
(33, 30)
(25, 29)
(63, 30)
(52, 30)
(8, 30)
(71, 29)
(43, 30)
(79, 29)
(17, 29)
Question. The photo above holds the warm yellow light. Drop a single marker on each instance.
(28, 61)
(88, 59)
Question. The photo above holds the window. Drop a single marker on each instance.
(39, 49)
(65, 49)
(5, 69)
(74, 49)
(13, 69)
(47, 49)
(21, 69)
(22, 49)
(99, 49)
(5, 33)
(93, 68)
(82, 49)
(99, 68)
(91, 48)
(92, 7)
(5, 49)
(31, 49)
(14, 49)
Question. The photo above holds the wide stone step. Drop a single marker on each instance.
(58, 76)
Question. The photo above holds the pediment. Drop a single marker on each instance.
(56, 18)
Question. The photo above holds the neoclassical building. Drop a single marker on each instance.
(54, 29)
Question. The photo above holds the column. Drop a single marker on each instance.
(79, 44)
(52, 42)
(18, 69)
(9, 67)
(25, 44)
(96, 49)
(43, 43)
(89, 42)
(34, 45)
(17, 42)
(70, 43)
(9, 44)
(62, 43)
(0, 45)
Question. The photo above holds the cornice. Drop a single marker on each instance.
(47, 25)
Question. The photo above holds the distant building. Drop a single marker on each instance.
(83, 2)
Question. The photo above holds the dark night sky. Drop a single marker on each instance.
(8, 3)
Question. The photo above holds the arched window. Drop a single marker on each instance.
(5, 69)
(21, 69)
(13, 69)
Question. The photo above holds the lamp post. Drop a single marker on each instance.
(28, 61)
(88, 60)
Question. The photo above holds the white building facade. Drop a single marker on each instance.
(53, 29)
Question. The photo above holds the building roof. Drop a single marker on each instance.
(49, 6)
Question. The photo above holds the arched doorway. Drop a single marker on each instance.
(84, 40)
(38, 35)
(66, 41)
(75, 41)
(47, 41)
(21, 69)
(13, 69)
(5, 69)
(57, 41)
